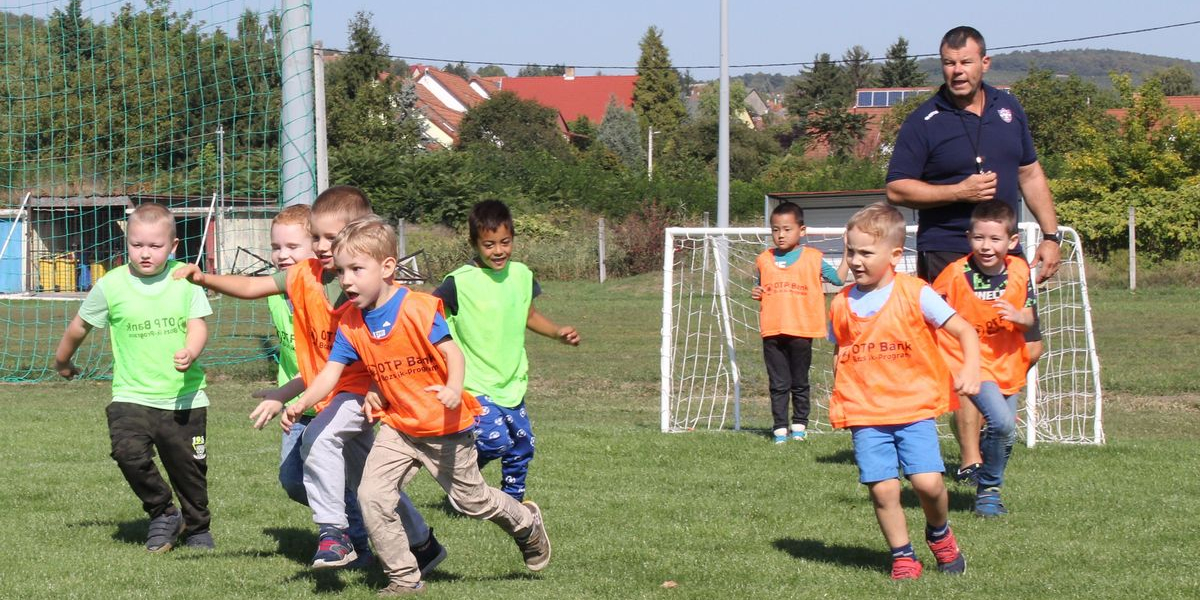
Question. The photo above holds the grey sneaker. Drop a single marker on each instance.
(402, 589)
(203, 541)
(536, 546)
(164, 532)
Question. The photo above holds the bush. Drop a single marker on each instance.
(1168, 222)
(640, 237)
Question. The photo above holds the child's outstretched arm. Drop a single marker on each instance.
(197, 338)
(238, 286)
(539, 323)
(966, 381)
(321, 385)
(77, 330)
(273, 399)
(450, 394)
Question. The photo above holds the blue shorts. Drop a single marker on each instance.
(880, 451)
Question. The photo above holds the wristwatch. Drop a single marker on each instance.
(1055, 237)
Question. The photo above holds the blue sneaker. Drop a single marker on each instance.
(988, 504)
(780, 438)
(799, 435)
(968, 474)
(334, 549)
(164, 532)
(429, 555)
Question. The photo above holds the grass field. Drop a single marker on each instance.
(724, 515)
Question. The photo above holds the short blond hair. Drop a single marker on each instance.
(882, 221)
(153, 213)
(345, 201)
(368, 236)
(296, 214)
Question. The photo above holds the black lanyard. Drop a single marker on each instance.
(975, 143)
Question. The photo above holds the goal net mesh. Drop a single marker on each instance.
(106, 105)
(713, 376)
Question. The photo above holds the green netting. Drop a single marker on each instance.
(106, 105)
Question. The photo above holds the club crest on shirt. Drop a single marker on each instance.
(1005, 115)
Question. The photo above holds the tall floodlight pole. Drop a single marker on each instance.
(297, 170)
(723, 124)
(319, 120)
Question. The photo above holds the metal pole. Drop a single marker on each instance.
(401, 240)
(320, 119)
(650, 152)
(723, 124)
(602, 251)
(1132, 250)
(221, 198)
(298, 177)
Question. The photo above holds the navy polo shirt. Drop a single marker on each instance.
(938, 144)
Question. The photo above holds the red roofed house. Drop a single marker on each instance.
(444, 98)
(1188, 103)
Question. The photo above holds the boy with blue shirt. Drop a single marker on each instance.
(891, 383)
(489, 304)
(788, 282)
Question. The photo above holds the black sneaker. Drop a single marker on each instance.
(164, 531)
(429, 555)
(968, 474)
(535, 548)
(203, 541)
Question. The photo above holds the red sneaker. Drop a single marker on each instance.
(949, 559)
(906, 567)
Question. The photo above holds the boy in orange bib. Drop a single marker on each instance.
(992, 290)
(890, 383)
(402, 339)
(792, 314)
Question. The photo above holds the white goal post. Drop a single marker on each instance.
(711, 358)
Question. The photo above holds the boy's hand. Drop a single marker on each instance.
(183, 360)
(274, 394)
(291, 414)
(568, 335)
(448, 396)
(756, 293)
(1012, 314)
(967, 382)
(265, 411)
(66, 368)
(190, 272)
(372, 401)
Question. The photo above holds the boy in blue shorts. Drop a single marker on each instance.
(489, 305)
(890, 383)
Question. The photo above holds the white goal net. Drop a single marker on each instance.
(713, 375)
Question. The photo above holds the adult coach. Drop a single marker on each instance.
(969, 143)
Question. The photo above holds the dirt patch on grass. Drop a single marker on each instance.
(1187, 403)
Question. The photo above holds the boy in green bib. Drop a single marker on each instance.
(489, 305)
(157, 329)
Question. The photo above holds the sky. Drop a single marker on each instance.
(606, 34)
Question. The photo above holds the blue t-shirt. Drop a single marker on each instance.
(938, 144)
(789, 258)
(865, 304)
(380, 321)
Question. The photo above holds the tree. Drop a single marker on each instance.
(71, 34)
(860, 71)
(657, 97)
(838, 128)
(1175, 80)
(900, 70)
(823, 85)
(541, 71)
(710, 100)
(459, 69)
(620, 134)
(366, 59)
(583, 132)
(491, 71)
(1058, 107)
(512, 125)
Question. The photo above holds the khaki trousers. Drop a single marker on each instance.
(451, 459)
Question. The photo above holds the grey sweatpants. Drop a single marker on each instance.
(334, 447)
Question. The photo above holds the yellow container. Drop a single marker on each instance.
(57, 273)
(98, 271)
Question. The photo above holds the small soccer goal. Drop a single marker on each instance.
(711, 359)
